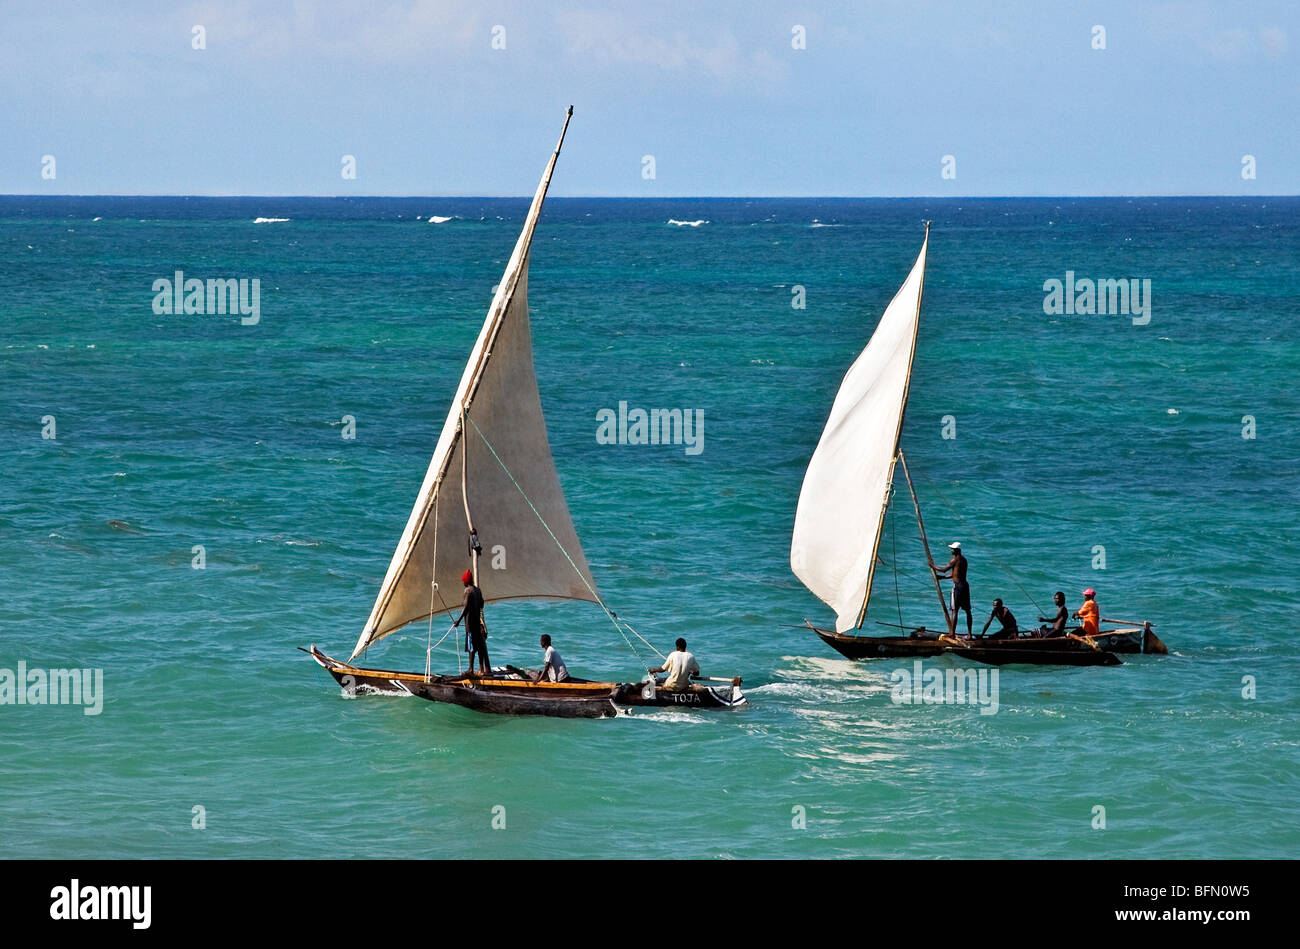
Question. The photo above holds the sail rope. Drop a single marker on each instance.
(983, 545)
(434, 591)
(644, 640)
(618, 625)
(893, 535)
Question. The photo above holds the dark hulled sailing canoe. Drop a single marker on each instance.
(847, 490)
(1052, 650)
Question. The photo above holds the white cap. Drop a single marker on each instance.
(955, 545)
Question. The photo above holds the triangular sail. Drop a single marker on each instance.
(530, 548)
(846, 488)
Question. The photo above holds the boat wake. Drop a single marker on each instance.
(661, 715)
(366, 691)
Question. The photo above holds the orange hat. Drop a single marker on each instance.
(467, 576)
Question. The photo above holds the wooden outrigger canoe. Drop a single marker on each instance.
(495, 438)
(848, 489)
(1071, 649)
(506, 692)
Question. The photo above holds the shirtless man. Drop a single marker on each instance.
(1058, 622)
(1005, 617)
(472, 613)
(956, 572)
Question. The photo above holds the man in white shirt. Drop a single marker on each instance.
(554, 669)
(680, 666)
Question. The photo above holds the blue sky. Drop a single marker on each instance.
(882, 92)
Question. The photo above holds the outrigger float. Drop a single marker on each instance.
(493, 449)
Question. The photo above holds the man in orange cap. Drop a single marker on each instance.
(472, 613)
(1089, 615)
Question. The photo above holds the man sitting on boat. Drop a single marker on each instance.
(1004, 616)
(1089, 614)
(680, 666)
(956, 572)
(553, 669)
(472, 613)
(1057, 627)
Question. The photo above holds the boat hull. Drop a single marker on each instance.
(1054, 650)
(637, 695)
(516, 697)
(1004, 656)
(509, 694)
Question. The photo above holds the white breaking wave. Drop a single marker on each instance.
(270, 220)
(435, 219)
(686, 223)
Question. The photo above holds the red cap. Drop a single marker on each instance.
(1090, 592)
(467, 576)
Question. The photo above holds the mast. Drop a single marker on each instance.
(949, 621)
(898, 436)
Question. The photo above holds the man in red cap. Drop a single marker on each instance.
(472, 613)
(1089, 614)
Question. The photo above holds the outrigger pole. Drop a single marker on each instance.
(949, 620)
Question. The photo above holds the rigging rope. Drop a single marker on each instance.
(430, 645)
(893, 534)
(987, 549)
(581, 576)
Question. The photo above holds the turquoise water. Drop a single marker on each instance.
(1072, 432)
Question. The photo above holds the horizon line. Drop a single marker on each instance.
(670, 197)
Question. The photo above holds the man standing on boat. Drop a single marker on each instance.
(680, 666)
(956, 572)
(472, 613)
(1089, 615)
(553, 669)
(1005, 617)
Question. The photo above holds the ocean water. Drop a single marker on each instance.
(1075, 435)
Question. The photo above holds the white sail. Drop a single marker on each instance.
(846, 488)
(514, 494)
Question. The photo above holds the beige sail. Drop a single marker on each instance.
(846, 488)
(530, 548)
